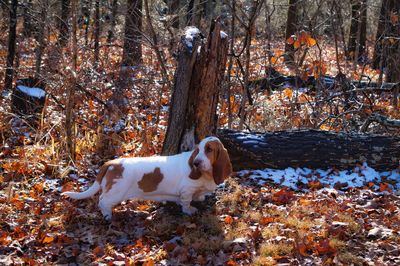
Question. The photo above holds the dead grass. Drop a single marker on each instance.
(236, 230)
(264, 261)
(349, 258)
(270, 231)
(275, 249)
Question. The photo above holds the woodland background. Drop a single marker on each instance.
(109, 72)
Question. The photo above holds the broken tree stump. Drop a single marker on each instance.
(197, 85)
(311, 149)
(28, 98)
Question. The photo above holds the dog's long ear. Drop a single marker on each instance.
(222, 166)
(195, 173)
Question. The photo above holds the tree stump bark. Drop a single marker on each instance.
(310, 148)
(28, 97)
(194, 100)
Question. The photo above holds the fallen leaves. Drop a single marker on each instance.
(283, 196)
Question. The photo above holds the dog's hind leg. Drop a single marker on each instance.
(106, 204)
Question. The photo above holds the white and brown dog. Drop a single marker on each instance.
(179, 178)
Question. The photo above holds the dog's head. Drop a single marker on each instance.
(210, 158)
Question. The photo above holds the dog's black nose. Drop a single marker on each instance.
(196, 163)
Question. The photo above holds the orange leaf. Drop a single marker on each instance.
(47, 239)
(143, 207)
(283, 196)
(296, 44)
(384, 187)
(288, 92)
(149, 262)
(302, 249)
(274, 60)
(17, 202)
(303, 37)
(311, 42)
(18, 233)
(68, 186)
(4, 238)
(228, 219)
(38, 187)
(290, 40)
(98, 251)
(314, 184)
(231, 263)
(266, 220)
(323, 247)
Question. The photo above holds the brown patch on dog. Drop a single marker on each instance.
(195, 173)
(111, 170)
(219, 159)
(151, 180)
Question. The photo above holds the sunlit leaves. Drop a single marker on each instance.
(301, 39)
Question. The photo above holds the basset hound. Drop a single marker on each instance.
(179, 178)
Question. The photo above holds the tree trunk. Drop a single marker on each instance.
(132, 54)
(114, 10)
(96, 32)
(63, 28)
(393, 46)
(85, 17)
(4, 11)
(12, 35)
(69, 116)
(27, 14)
(196, 90)
(40, 38)
(363, 31)
(358, 29)
(388, 28)
(291, 28)
(173, 11)
(310, 148)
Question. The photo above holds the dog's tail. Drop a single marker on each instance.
(93, 188)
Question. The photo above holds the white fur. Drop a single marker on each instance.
(175, 186)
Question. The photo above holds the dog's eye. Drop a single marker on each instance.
(209, 149)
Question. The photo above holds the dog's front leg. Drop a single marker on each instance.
(186, 198)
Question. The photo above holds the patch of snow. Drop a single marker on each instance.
(379, 232)
(223, 34)
(190, 34)
(293, 178)
(33, 92)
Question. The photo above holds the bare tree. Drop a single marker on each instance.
(40, 37)
(114, 9)
(63, 27)
(291, 28)
(358, 30)
(12, 35)
(96, 32)
(132, 54)
(27, 15)
(69, 116)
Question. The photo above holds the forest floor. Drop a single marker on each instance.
(246, 222)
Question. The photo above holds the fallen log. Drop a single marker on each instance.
(275, 81)
(311, 149)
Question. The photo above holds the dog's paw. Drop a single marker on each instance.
(189, 210)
